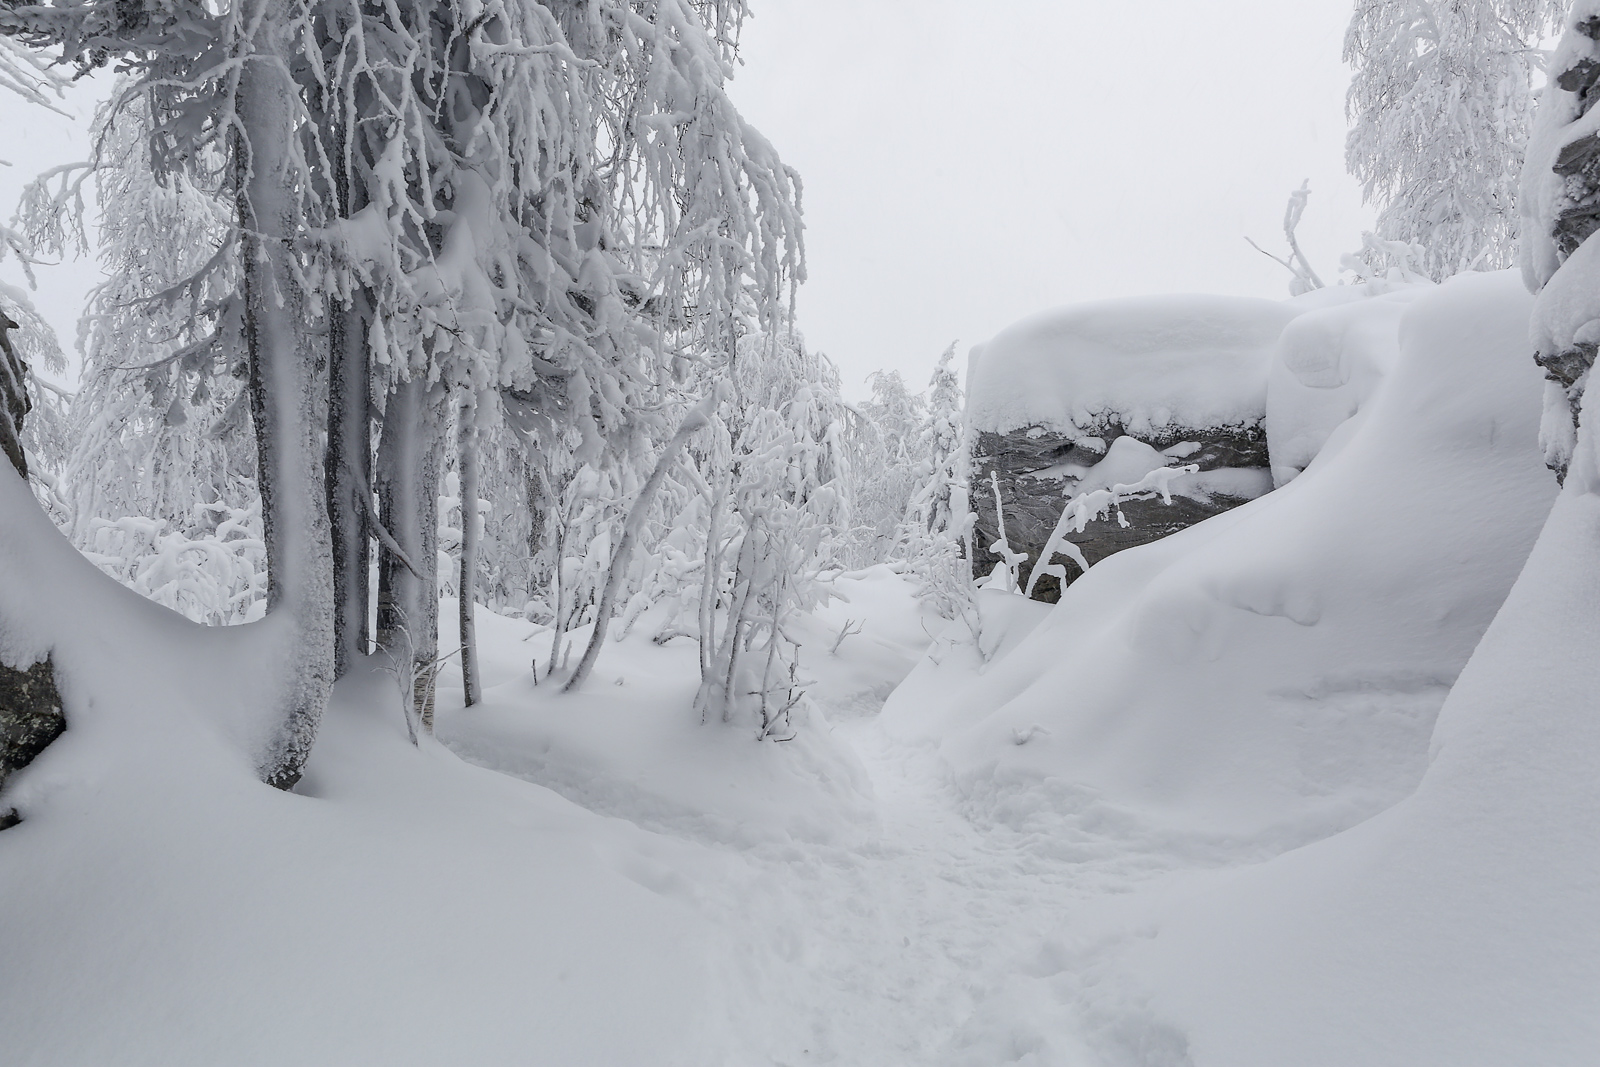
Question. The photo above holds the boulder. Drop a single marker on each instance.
(1096, 396)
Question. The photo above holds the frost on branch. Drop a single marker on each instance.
(1439, 106)
(936, 534)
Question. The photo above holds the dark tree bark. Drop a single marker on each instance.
(14, 402)
(467, 587)
(349, 469)
(349, 453)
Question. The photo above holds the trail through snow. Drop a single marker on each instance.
(915, 935)
(895, 921)
(921, 942)
(907, 932)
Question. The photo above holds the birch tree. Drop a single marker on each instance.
(1439, 105)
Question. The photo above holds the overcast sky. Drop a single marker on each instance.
(967, 164)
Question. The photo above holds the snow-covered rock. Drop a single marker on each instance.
(1051, 396)
(1273, 673)
(1560, 204)
(1155, 366)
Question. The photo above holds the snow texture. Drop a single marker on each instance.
(1039, 851)
(1326, 367)
(1459, 926)
(1148, 363)
(1272, 673)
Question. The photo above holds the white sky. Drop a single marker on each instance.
(969, 163)
(33, 139)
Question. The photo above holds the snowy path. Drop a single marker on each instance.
(890, 950)
(871, 923)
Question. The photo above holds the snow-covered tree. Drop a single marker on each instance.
(549, 210)
(778, 463)
(882, 437)
(938, 519)
(1439, 105)
(162, 457)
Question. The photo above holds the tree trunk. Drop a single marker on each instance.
(14, 401)
(697, 419)
(284, 401)
(349, 452)
(349, 458)
(349, 465)
(409, 451)
(467, 587)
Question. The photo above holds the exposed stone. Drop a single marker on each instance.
(1580, 78)
(30, 715)
(1033, 470)
(1567, 361)
(30, 705)
(1568, 367)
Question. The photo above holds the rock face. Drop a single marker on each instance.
(30, 716)
(1037, 470)
(30, 707)
(1091, 397)
(1560, 204)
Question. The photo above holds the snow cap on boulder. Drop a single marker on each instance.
(1146, 363)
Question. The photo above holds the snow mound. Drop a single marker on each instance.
(1326, 366)
(164, 907)
(1460, 926)
(1148, 363)
(1273, 673)
(629, 744)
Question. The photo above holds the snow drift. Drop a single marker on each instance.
(1458, 927)
(1326, 366)
(1149, 362)
(164, 907)
(1274, 672)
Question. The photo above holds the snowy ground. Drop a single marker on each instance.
(1199, 814)
(678, 894)
(874, 924)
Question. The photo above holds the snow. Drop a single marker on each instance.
(1271, 675)
(1150, 363)
(1567, 310)
(1459, 927)
(630, 743)
(1327, 365)
(1126, 461)
(165, 907)
(1226, 805)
